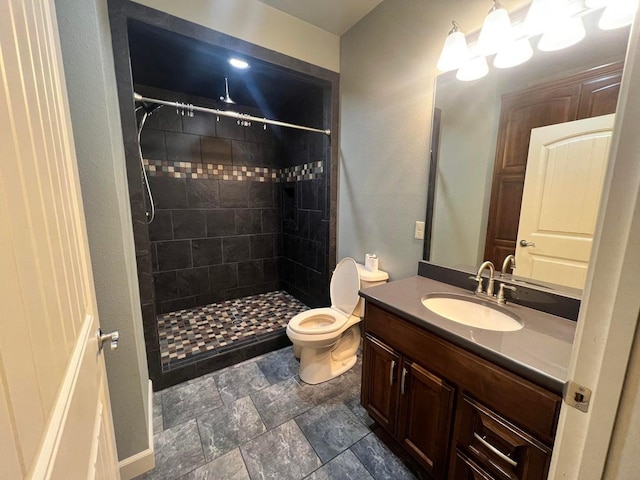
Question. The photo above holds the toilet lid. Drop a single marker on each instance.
(345, 284)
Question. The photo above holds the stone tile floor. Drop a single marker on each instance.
(257, 420)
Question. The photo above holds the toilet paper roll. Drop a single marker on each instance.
(371, 262)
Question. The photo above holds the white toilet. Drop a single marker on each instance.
(326, 340)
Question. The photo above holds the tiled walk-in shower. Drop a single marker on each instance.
(218, 327)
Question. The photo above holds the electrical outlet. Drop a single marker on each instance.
(419, 231)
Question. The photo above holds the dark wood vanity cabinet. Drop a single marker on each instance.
(458, 415)
(409, 402)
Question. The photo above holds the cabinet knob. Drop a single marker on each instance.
(402, 381)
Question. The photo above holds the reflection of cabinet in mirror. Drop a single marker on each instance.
(583, 95)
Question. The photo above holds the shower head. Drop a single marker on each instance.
(226, 98)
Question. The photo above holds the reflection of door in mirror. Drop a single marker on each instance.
(562, 189)
(588, 94)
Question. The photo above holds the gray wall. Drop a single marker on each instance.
(387, 70)
(88, 63)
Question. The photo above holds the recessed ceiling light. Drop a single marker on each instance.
(238, 63)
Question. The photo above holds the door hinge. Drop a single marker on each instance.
(576, 395)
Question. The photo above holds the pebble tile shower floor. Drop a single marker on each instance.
(257, 420)
(218, 326)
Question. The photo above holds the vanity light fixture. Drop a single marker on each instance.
(239, 63)
(496, 30)
(455, 52)
(558, 22)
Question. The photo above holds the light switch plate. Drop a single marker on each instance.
(419, 231)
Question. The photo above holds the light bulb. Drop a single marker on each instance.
(514, 53)
(496, 30)
(619, 13)
(454, 52)
(474, 69)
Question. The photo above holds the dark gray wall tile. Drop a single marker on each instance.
(188, 224)
(169, 192)
(164, 118)
(223, 277)
(234, 193)
(161, 227)
(166, 286)
(270, 267)
(228, 128)
(199, 124)
(182, 147)
(221, 223)
(236, 249)
(248, 221)
(262, 246)
(216, 151)
(174, 255)
(178, 304)
(206, 252)
(250, 273)
(261, 194)
(193, 281)
(246, 153)
(202, 193)
(270, 220)
(153, 144)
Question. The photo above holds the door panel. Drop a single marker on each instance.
(562, 190)
(380, 376)
(52, 378)
(426, 403)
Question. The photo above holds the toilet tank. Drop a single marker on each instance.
(367, 280)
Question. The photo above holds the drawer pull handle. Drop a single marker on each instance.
(493, 449)
(404, 375)
(391, 369)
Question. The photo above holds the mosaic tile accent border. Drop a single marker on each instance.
(219, 326)
(306, 171)
(164, 168)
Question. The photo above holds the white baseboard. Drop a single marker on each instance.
(145, 460)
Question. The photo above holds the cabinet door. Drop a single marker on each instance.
(426, 403)
(379, 382)
(497, 446)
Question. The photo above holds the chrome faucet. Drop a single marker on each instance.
(478, 278)
(509, 261)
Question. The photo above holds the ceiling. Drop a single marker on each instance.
(335, 16)
(170, 61)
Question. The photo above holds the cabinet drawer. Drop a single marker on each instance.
(499, 447)
(464, 468)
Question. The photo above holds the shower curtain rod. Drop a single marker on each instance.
(224, 113)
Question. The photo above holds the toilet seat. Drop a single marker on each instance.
(318, 321)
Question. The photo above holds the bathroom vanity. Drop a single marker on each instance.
(466, 403)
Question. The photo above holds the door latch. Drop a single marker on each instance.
(103, 338)
(576, 396)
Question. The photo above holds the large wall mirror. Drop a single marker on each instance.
(480, 144)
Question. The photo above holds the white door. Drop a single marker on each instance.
(562, 189)
(55, 417)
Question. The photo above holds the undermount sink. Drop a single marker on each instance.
(471, 311)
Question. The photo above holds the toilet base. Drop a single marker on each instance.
(319, 365)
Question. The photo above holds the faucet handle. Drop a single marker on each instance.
(478, 279)
(501, 299)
